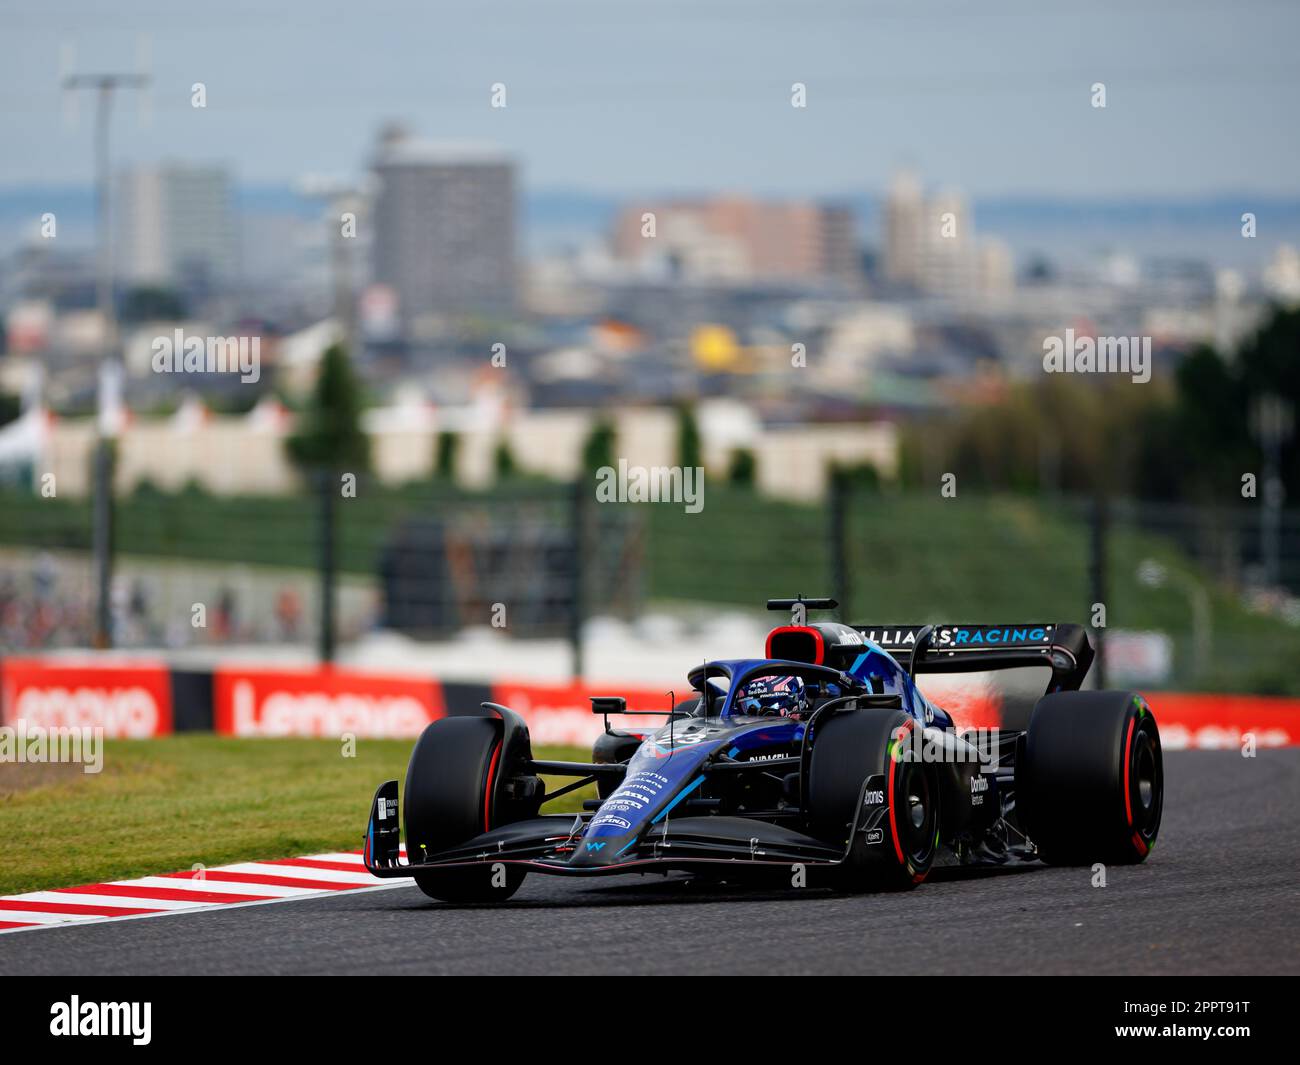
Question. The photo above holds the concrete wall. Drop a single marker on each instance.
(228, 456)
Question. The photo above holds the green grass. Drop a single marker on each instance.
(165, 805)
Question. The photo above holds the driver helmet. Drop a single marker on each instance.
(774, 697)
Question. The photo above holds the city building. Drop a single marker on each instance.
(444, 231)
(903, 222)
(1282, 276)
(738, 239)
(948, 266)
(176, 226)
(996, 269)
(930, 245)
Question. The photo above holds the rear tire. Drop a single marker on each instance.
(450, 798)
(1090, 787)
(849, 748)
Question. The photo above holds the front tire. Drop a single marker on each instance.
(450, 797)
(1090, 786)
(473, 884)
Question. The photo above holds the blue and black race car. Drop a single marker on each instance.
(821, 762)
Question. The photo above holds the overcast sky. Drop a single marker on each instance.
(618, 96)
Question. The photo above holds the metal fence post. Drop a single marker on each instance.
(102, 540)
(578, 590)
(837, 530)
(325, 489)
(1097, 572)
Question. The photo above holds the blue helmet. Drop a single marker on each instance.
(773, 697)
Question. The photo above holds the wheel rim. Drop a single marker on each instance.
(916, 824)
(1146, 776)
(1147, 783)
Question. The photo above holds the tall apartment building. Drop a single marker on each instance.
(740, 239)
(930, 245)
(948, 260)
(444, 231)
(904, 222)
(175, 226)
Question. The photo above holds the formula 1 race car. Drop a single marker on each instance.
(823, 758)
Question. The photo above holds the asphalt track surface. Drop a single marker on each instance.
(1220, 894)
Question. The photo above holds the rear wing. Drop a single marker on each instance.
(975, 648)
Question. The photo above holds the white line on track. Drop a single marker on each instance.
(38, 918)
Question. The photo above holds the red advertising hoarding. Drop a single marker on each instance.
(251, 701)
(560, 714)
(128, 700)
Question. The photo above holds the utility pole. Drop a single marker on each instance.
(110, 371)
(340, 198)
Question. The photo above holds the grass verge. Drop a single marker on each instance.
(168, 804)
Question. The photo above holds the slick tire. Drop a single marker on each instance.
(472, 885)
(848, 750)
(450, 798)
(1090, 785)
